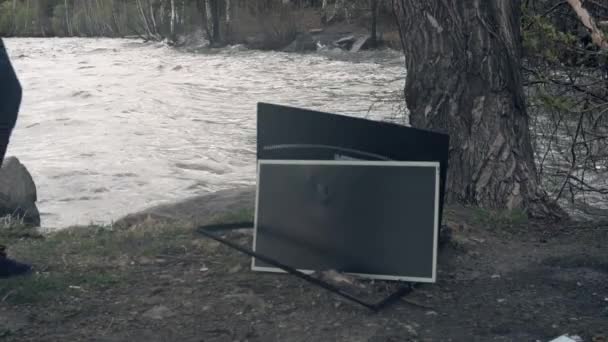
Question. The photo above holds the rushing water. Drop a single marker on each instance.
(109, 126)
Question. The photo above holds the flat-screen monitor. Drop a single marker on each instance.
(300, 134)
(354, 195)
(375, 219)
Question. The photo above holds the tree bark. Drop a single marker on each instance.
(14, 17)
(324, 12)
(144, 19)
(228, 16)
(374, 22)
(209, 20)
(463, 78)
(152, 18)
(173, 15)
(215, 5)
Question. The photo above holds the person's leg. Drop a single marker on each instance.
(10, 100)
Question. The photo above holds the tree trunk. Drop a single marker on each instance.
(153, 18)
(374, 23)
(228, 17)
(173, 15)
(463, 78)
(27, 16)
(209, 20)
(324, 12)
(144, 19)
(216, 20)
(14, 17)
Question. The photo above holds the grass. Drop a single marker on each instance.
(43, 286)
(91, 257)
(243, 215)
(14, 228)
(77, 259)
(499, 218)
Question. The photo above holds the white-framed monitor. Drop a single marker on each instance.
(374, 219)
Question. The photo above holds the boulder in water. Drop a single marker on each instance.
(361, 43)
(304, 42)
(345, 42)
(258, 41)
(18, 193)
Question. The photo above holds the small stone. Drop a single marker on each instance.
(501, 300)
(152, 300)
(158, 312)
(249, 299)
(495, 276)
(145, 261)
(474, 254)
(157, 290)
(204, 269)
(235, 269)
(431, 313)
(411, 330)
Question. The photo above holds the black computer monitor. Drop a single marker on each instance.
(355, 195)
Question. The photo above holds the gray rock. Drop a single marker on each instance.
(361, 43)
(18, 193)
(197, 210)
(258, 41)
(346, 42)
(248, 299)
(158, 312)
(316, 31)
(304, 42)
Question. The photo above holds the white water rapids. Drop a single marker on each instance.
(109, 126)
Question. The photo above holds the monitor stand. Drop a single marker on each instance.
(210, 231)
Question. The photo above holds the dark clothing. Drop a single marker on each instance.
(10, 267)
(10, 99)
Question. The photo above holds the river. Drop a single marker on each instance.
(112, 126)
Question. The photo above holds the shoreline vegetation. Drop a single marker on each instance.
(257, 24)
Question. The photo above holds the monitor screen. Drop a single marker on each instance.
(369, 218)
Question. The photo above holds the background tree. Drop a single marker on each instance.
(464, 78)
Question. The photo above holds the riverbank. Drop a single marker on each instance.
(152, 278)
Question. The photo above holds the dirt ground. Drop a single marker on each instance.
(496, 282)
